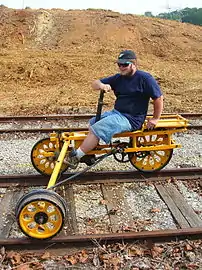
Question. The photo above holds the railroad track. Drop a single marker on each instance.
(8, 119)
(77, 122)
(103, 177)
(107, 196)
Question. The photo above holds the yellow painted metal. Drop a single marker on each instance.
(75, 137)
(58, 164)
(52, 214)
(149, 132)
(138, 149)
(48, 154)
(170, 121)
(44, 155)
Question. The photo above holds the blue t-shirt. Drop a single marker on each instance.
(133, 94)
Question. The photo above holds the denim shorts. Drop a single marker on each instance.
(111, 123)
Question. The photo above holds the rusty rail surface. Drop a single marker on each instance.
(103, 177)
(72, 116)
(155, 236)
(78, 117)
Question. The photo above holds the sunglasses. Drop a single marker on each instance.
(124, 65)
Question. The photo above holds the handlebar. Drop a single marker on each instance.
(99, 105)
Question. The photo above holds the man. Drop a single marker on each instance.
(133, 88)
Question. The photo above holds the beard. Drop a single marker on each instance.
(129, 73)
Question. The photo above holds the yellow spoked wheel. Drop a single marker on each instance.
(150, 161)
(44, 155)
(40, 214)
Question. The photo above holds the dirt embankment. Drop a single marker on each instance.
(48, 58)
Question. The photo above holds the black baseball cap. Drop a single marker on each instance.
(126, 56)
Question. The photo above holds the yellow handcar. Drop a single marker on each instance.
(41, 213)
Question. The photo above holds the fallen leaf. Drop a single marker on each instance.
(156, 251)
(46, 255)
(14, 257)
(188, 247)
(71, 259)
(83, 257)
(23, 267)
(155, 210)
(115, 261)
(135, 252)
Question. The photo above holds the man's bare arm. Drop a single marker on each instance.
(158, 108)
(97, 85)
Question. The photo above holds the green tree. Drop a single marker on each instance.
(194, 17)
(148, 14)
(190, 15)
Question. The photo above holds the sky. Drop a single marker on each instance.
(129, 6)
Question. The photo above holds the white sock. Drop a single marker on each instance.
(79, 153)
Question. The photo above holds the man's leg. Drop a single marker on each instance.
(89, 143)
(104, 129)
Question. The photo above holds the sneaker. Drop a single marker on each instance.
(88, 159)
(72, 160)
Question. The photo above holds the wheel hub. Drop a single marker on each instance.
(41, 218)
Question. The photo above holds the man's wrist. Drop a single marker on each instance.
(156, 117)
(102, 86)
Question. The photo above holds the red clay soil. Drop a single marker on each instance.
(48, 58)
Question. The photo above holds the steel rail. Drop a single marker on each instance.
(63, 129)
(73, 116)
(45, 117)
(104, 177)
(157, 235)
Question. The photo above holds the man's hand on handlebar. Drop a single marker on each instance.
(106, 87)
(98, 85)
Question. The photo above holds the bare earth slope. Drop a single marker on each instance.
(48, 58)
